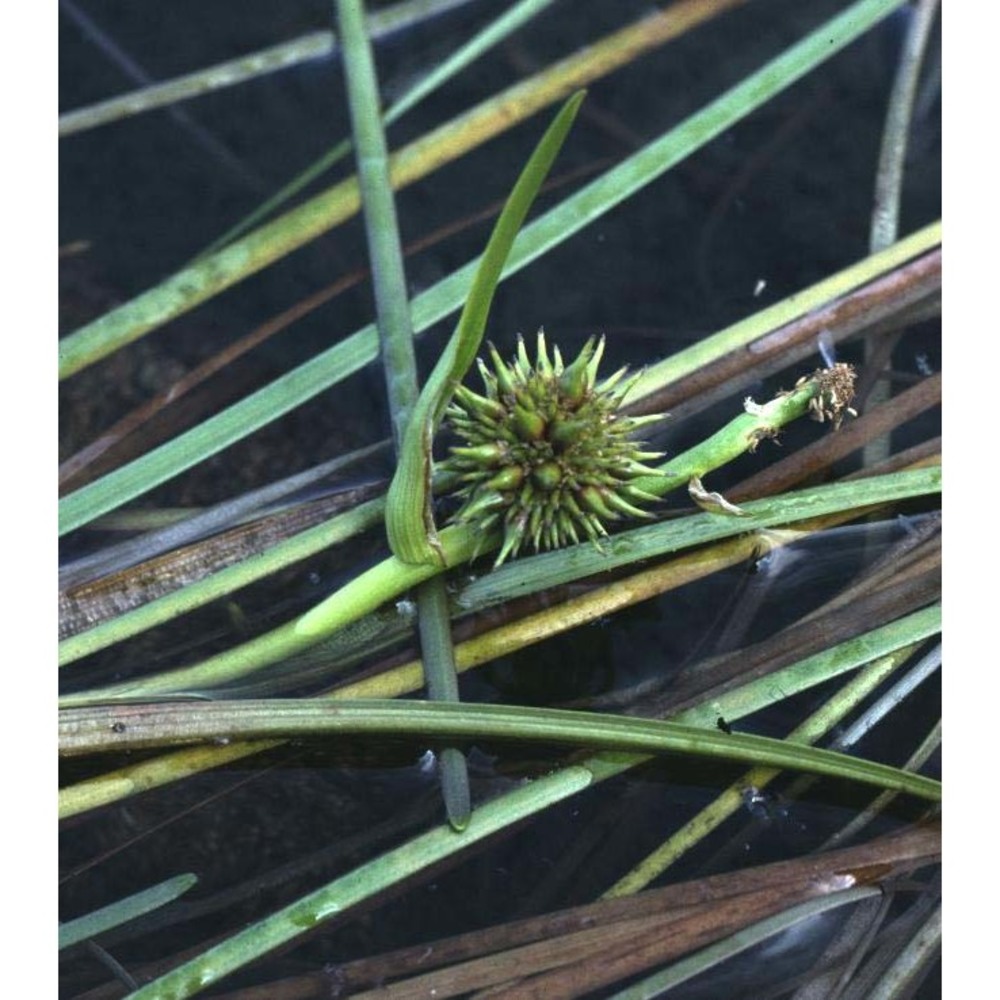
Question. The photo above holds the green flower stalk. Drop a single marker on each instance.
(548, 457)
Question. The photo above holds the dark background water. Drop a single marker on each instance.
(784, 197)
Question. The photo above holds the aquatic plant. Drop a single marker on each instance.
(212, 638)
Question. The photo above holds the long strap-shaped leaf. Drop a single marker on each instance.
(408, 518)
(131, 727)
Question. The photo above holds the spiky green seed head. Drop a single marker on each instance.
(547, 456)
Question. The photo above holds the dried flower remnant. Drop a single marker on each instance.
(831, 400)
(548, 458)
(835, 394)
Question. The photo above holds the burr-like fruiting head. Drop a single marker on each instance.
(547, 456)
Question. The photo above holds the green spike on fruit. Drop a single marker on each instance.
(508, 478)
(546, 454)
(488, 455)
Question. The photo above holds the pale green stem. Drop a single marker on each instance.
(301, 546)
(359, 597)
(398, 361)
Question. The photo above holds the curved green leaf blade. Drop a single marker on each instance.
(408, 518)
(149, 725)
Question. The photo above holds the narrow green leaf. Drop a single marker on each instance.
(208, 721)
(124, 910)
(551, 569)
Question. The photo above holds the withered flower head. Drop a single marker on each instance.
(547, 456)
(834, 395)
